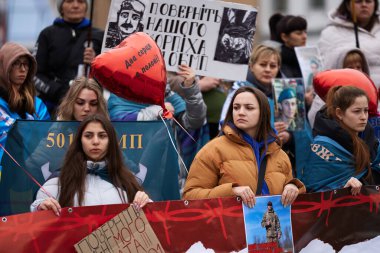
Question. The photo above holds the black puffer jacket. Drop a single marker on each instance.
(59, 51)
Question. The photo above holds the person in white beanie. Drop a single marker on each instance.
(63, 49)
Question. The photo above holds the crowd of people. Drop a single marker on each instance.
(248, 141)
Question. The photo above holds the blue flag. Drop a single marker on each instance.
(40, 146)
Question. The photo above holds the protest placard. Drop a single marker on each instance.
(128, 231)
(310, 63)
(213, 37)
(318, 224)
(268, 226)
(289, 96)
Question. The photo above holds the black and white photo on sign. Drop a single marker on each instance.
(235, 36)
(208, 36)
(129, 19)
(289, 98)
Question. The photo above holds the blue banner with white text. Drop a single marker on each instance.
(40, 146)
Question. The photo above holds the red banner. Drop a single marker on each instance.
(335, 217)
(216, 223)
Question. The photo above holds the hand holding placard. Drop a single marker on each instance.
(129, 231)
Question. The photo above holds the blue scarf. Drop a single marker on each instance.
(257, 146)
(94, 168)
(84, 23)
(98, 169)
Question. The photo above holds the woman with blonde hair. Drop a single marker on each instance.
(84, 98)
(264, 65)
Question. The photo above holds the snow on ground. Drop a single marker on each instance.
(199, 248)
(318, 246)
(369, 246)
(315, 246)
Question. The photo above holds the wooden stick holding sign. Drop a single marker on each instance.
(129, 231)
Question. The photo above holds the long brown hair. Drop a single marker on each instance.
(343, 97)
(66, 108)
(22, 100)
(73, 173)
(264, 129)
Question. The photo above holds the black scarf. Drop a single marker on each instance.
(266, 89)
(290, 66)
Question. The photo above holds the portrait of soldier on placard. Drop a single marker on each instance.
(268, 225)
(129, 20)
(289, 102)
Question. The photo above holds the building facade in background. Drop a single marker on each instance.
(3, 22)
(22, 20)
(314, 11)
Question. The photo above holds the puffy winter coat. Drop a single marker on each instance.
(228, 161)
(340, 33)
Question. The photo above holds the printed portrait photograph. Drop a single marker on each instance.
(310, 62)
(268, 225)
(289, 96)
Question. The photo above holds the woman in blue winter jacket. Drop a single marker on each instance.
(17, 93)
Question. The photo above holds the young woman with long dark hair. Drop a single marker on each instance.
(344, 146)
(93, 172)
(229, 165)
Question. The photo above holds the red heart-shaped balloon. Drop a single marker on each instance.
(134, 70)
(324, 80)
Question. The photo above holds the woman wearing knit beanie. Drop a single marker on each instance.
(63, 49)
(80, 2)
